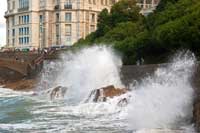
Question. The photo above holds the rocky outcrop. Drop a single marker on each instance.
(196, 113)
(101, 95)
(21, 85)
(123, 102)
(57, 92)
(196, 106)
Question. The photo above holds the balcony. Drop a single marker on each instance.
(57, 7)
(9, 12)
(68, 6)
(23, 9)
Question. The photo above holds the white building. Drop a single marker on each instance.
(46, 23)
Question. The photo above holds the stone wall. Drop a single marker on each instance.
(132, 72)
(9, 75)
(25, 56)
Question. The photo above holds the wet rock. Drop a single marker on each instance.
(21, 85)
(57, 92)
(101, 95)
(196, 113)
(123, 102)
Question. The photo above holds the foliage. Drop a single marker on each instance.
(174, 25)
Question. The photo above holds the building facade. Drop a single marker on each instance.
(147, 6)
(46, 23)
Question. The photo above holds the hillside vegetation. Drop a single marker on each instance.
(174, 25)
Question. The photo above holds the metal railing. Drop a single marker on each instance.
(23, 9)
(57, 7)
(68, 6)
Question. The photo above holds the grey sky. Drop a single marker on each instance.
(3, 6)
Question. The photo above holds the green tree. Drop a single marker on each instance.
(123, 11)
(103, 25)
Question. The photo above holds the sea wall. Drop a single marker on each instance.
(129, 73)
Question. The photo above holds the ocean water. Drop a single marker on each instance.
(160, 103)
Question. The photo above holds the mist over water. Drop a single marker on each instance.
(87, 69)
(164, 99)
(159, 103)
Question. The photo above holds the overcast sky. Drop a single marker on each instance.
(3, 6)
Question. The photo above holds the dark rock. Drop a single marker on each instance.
(123, 102)
(196, 112)
(21, 85)
(58, 92)
(101, 95)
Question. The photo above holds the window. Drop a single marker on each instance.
(68, 1)
(21, 40)
(13, 32)
(57, 34)
(57, 2)
(28, 31)
(8, 5)
(42, 3)
(57, 17)
(112, 2)
(28, 40)
(57, 30)
(13, 42)
(94, 2)
(102, 2)
(19, 19)
(13, 21)
(106, 2)
(68, 33)
(25, 31)
(41, 19)
(25, 40)
(41, 23)
(68, 29)
(13, 5)
(22, 31)
(87, 16)
(93, 17)
(68, 17)
(89, 1)
(68, 4)
(92, 28)
(27, 17)
(23, 4)
(8, 33)
(24, 20)
(68, 40)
